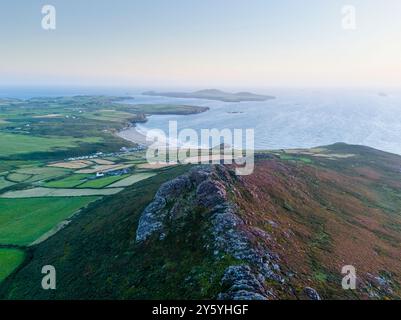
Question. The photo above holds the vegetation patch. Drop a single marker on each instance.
(11, 144)
(22, 221)
(132, 179)
(68, 182)
(5, 183)
(49, 192)
(76, 164)
(109, 115)
(105, 168)
(293, 157)
(42, 173)
(102, 182)
(18, 177)
(99, 245)
(10, 259)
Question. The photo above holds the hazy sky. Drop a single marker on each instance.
(241, 43)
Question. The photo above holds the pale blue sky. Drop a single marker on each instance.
(201, 43)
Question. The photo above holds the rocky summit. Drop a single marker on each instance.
(210, 188)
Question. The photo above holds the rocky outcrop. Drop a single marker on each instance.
(311, 293)
(157, 213)
(209, 187)
(242, 284)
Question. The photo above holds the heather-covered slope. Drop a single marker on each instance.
(284, 232)
(323, 212)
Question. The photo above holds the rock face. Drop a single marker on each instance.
(155, 214)
(208, 187)
(311, 293)
(243, 285)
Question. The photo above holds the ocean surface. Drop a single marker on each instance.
(300, 118)
(297, 118)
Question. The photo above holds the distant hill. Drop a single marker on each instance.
(284, 232)
(213, 94)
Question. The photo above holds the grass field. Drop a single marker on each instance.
(68, 182)
(102, 182)
(18, 177)
(10, 259)
(6, 166)
(50, 192)
(106, 231)
(22, 221)
(42, 173)
(4, 183)
(105, 168)
(109, 115)
(295, 158)
(11, 144)
(132, 179)
(76, 164)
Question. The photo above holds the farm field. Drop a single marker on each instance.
(5, 183)
(102, 161)
(7, 166)
(41, 173)
(132, 180)
(11, 144)
(18, 177)
(77, 164)
(109, 115)
(68, 182)
(150, 166)
(9, 260)
(49, 192)
(105, 168)
(102, 182)
(22, 221)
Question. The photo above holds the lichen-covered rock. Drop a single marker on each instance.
(379, 285)
(174, 188)
(151, 219)
(242, 295)
(157, 212)
(208, 187)
(199, 174)
(242, 284)
(311, 293)
(210, 193)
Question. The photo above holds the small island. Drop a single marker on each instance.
(213, 94)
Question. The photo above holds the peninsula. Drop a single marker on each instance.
(213, 94)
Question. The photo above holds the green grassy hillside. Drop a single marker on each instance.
(313, 210)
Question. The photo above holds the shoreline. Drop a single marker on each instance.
(132, 134)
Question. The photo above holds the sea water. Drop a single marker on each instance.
(299, 118)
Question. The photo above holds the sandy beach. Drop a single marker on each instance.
(133, 135)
